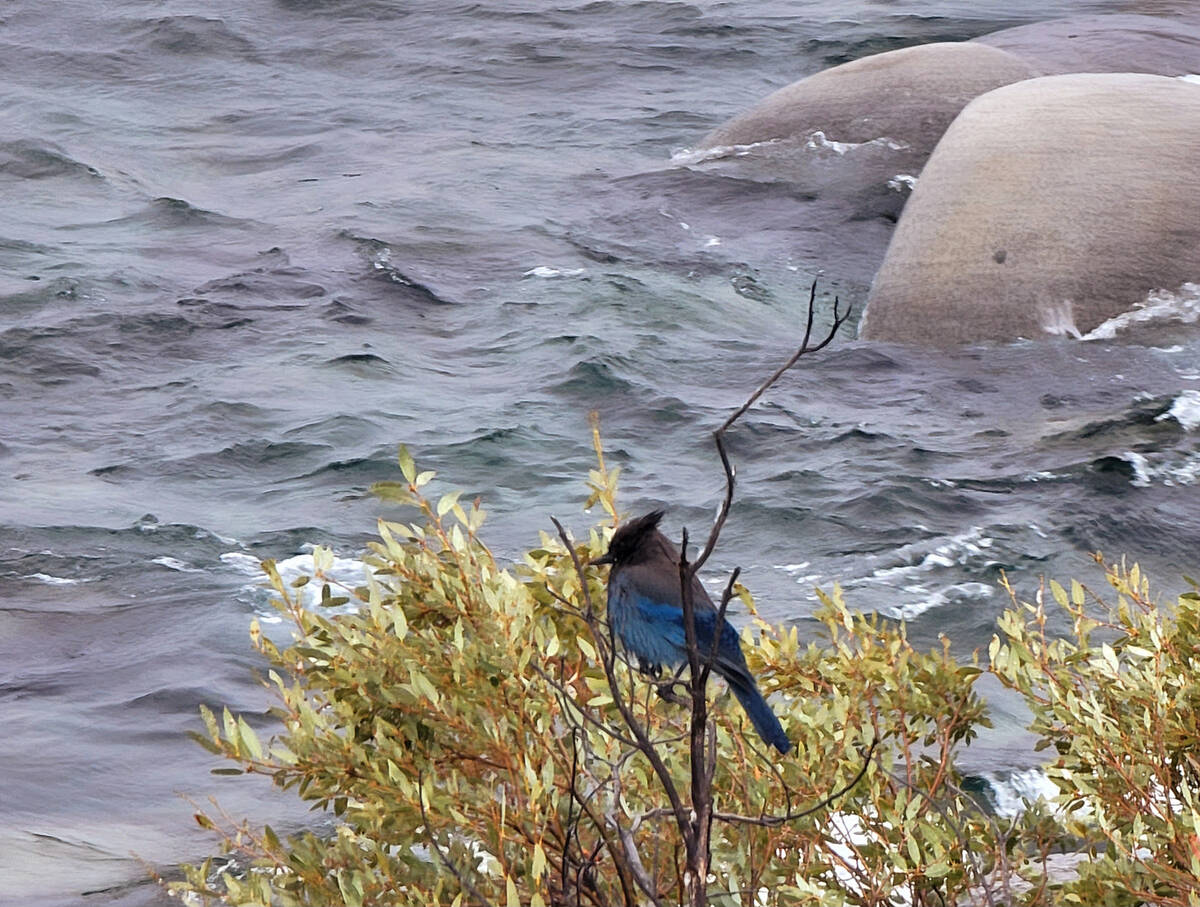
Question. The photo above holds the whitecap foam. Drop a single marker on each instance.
(242, 562)
(914, 578)
(1010, 791)
(902, 181)
(815, 141)
(1190, 77)
(949, 551)
(818, 141)
(545, 271)
(172, 563)
(1183, 306)
(1059, 320)
(793, 568)
(1141, 469)
(1170, 470)
(51, 580)
(344, 572)
(1185, 410)
(938, 598)
(685, 157)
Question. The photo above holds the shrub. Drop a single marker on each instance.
(460, 730)
(1118, 703)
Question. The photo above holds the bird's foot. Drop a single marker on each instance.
(669, 690)
(651, 670)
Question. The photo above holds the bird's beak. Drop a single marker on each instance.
(603, 559)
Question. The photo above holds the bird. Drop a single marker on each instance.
(645, 610)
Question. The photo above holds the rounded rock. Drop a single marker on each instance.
(1049, 206)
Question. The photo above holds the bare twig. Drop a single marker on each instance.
(773, 821)
(628, 844)
(641, 739)
(463, 882)
(695, 823)
(839, 318)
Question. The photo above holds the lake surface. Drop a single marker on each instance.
(248, 248)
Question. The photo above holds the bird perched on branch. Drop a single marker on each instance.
(645, 608)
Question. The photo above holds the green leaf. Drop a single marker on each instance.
(249, 738)
(447, 501)
(407, 466)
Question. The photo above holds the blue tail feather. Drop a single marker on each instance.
(762, 717)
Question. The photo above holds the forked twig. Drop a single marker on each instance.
(444, 858)
(774, 821)
(839, 318)
(695, 821)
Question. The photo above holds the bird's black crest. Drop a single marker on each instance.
(629, 535)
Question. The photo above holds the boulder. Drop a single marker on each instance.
(1119, 42)
(1049, 206)
(907, 96)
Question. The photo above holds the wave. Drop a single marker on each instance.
(30, 159)
(1159, 307)
(816, 141)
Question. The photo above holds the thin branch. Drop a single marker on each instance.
(619, 863)
(950, 820)
(463, 881)
(839, 319)
(773, 821)
(625, 833)
(572, 825)
(642, 740)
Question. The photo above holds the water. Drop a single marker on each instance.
(248, 248)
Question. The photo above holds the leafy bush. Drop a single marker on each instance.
(460, 729)
(1118, 702)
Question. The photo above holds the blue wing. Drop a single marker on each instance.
(652, 631)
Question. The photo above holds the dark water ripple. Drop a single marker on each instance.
(246, 252)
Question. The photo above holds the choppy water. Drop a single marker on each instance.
(247, 248)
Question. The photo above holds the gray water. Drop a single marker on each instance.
(246, 249)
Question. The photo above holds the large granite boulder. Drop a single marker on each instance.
(908, 96)
(1119, 42)
(1049, 206)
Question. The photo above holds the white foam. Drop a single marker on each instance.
(952, 550)
(902, 181)
(1171, 472)
(1042, 476)
(1010, 793)
(1190, 77)
(1183, 306)
(937, 599)
(54, 580)
(345, 572)
(175, 564)
(242, 562)
(1185, 410)
(710, 241)
(685, 157)
(547, 272)
(818, 141)
(921, 565)
(1141, 469)
(1059, 320)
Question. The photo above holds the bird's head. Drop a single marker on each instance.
(630, 537)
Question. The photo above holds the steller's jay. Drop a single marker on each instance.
(645, 608)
